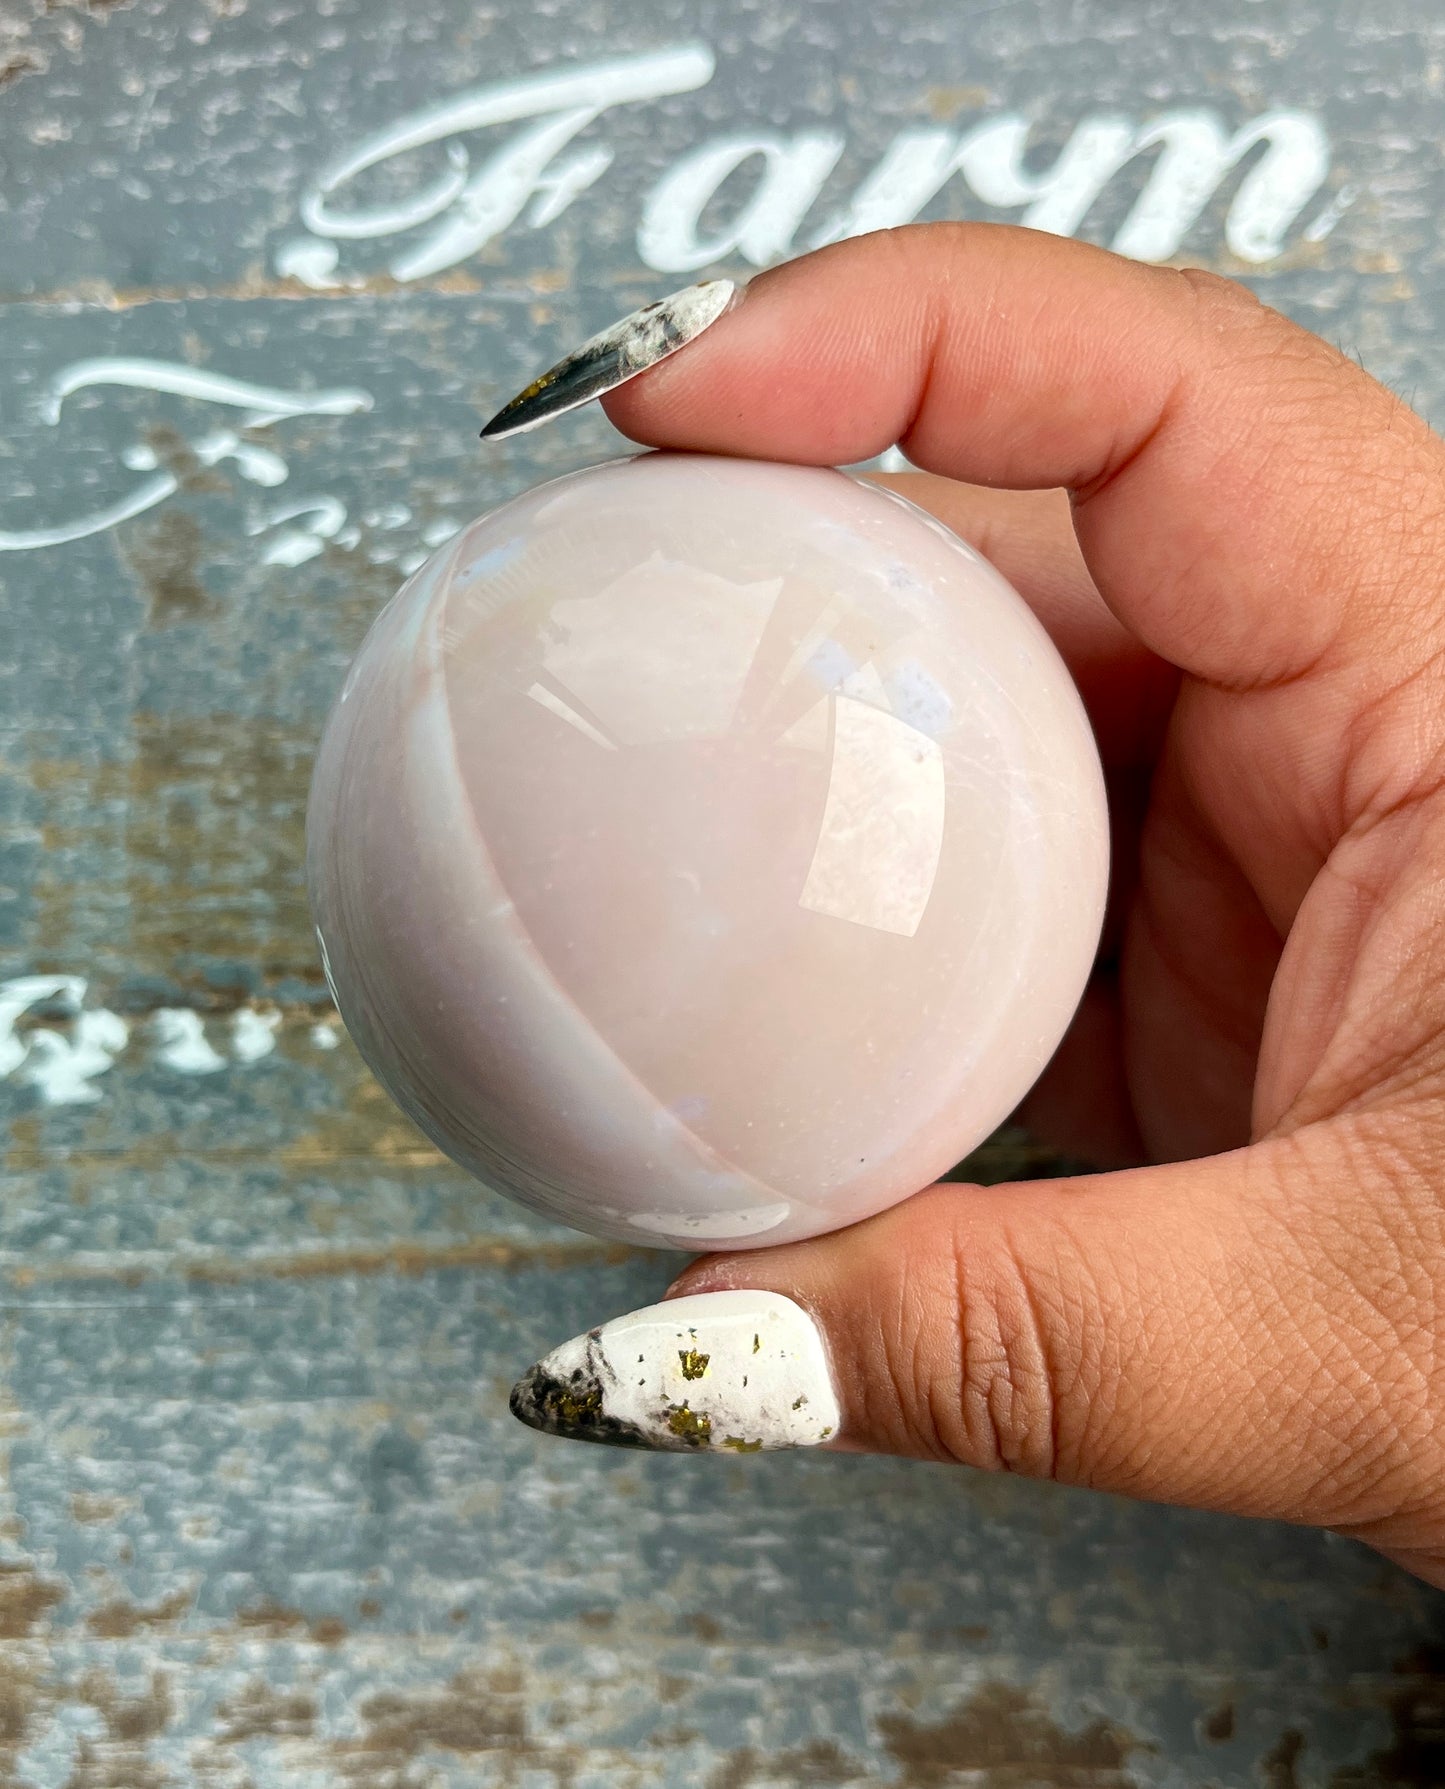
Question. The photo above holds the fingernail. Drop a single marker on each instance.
(619, 353)
(721, 1371)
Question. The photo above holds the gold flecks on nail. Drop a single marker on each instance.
(536, 388)
(574, 1409)
(726, 1390)
(692, 1426)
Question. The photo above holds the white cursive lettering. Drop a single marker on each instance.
(794, 169)
(1197, 155)
(1194, 152)
(64, 1065)
(479, 205)
(263, 406)
(61, 1067)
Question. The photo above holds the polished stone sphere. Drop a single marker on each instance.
(705, 852)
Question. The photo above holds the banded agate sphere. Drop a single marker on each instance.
(707, 852)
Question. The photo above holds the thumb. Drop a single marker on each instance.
(1157, 1332)
(1101, 1331)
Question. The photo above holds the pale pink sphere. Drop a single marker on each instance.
(707, 852)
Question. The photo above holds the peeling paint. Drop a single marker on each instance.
(119, 1620)
(1004, 1733)
(26, 1599)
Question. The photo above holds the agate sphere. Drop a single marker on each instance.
(706, 852)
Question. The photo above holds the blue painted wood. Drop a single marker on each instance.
(263, 1516)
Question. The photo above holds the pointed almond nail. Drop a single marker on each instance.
(619, 353)
(721, 1371)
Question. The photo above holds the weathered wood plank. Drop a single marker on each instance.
(263, 1516)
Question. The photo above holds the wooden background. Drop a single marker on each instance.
(264, 1519)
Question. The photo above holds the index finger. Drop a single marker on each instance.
(1238, 484)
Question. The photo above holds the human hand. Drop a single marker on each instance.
(1245, 579)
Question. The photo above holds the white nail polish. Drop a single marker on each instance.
(721, 1371)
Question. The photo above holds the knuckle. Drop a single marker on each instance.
(1016, 1371)
(1217, 295)
(962, 1344)
(1232, 327)
(906, 1374)
(1245, 330)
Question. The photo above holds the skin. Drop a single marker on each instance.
(1237, 539)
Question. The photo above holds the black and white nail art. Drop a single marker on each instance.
(722, 1371)
(619, 353)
